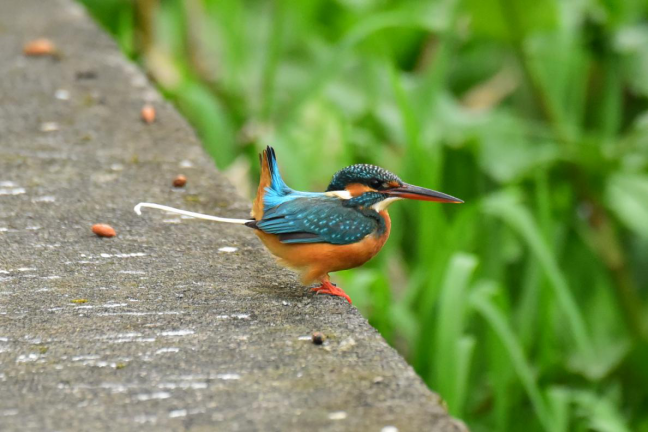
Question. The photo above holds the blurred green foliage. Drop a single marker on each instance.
(525, 307)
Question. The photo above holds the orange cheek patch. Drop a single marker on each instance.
(357, 189)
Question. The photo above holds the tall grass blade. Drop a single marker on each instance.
(446, 351)
(507, 208)
(480, 302)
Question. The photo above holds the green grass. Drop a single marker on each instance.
(525, 307)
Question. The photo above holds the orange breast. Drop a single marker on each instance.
(315, 260)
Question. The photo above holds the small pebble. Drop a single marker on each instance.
(62, 94)
(148, 114)
(227, 249)
(318, 338)
(39, 47)
(49, 127)
(178, 413)
(179, 181)
(86, 75)
(186, 164)
(347, 344)
(337, 415)
(103, 230)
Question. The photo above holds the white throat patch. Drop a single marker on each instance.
(382, 205)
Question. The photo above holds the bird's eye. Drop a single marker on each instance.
(375, 183)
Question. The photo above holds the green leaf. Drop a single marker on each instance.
(507, 207)
(600, 412)
(211, 120)
(506, 152)
(627, 196)
(481, 302)
(449, 352)
(559, 399)
(511, 19)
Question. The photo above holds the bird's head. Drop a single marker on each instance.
(370, 186)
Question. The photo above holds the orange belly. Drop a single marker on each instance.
(315, 260)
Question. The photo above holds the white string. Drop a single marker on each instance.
(139, 206)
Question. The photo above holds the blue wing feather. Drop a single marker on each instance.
(317, 219)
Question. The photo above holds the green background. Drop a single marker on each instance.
(524, 307)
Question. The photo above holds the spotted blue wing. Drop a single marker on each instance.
(317, 220)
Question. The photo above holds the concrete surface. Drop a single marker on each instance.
(155, 329)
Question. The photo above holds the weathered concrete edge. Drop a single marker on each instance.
(234, 204)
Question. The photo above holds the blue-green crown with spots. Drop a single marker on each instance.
(371, 175)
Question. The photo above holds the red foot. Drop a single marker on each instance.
(328, 288)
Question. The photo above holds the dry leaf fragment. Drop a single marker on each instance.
(148, 114)
(39, 47)
(318, 338)
(179, 181)
(103, 230)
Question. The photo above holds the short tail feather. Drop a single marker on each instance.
(139, 206)
(264, 181)
(277, 183)
(270, 183)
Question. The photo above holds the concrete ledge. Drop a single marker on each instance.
(155, 329)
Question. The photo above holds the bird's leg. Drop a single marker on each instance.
(329, 288)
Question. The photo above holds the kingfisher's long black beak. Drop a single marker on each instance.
(422, 194)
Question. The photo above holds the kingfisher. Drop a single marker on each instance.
(317, 233)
